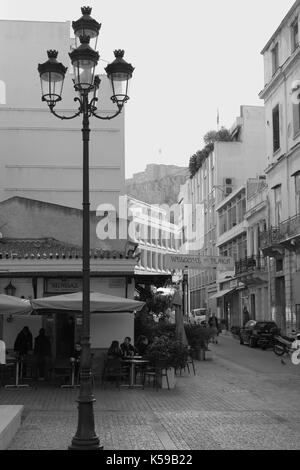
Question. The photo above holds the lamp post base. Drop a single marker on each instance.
(85, 437)
(84, 444)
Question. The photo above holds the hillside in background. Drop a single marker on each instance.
(158, 184)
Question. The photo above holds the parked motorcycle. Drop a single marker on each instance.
(284, 344)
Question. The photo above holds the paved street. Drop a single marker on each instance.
(241, 399)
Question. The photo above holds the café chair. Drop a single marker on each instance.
(113, 372)
(156, 373)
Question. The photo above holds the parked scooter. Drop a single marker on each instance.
(285, 344)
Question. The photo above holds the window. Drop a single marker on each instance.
(2, 92)
(276, 129)
(297, 317)
(296, 116)
(295, 34)
(278, 204)
(223, 222)
(275, 58)
(297, 192)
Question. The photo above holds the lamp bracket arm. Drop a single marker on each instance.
(67, 117)
(105, 117)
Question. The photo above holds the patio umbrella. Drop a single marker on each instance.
(99, 303)
(14, 305)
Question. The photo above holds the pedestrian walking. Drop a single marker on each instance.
(42, 351)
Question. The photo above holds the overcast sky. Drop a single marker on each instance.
(191, 58)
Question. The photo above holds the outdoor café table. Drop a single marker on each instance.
(133, 361)
(18, 363)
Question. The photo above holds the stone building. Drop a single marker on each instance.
(220, 176)
(280, 241)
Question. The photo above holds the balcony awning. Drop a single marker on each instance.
(221, 293)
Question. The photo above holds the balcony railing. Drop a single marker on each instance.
(250, 264)
(275, 235)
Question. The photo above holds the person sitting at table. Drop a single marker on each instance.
(23, 345)
(76, 357)
(127, 348)
(42, 351)
(114, 350)
(142, 344)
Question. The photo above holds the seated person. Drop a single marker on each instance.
(76, 357)
(142, 344)
(127, 348)
(114, 350)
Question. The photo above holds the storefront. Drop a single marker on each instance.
(47, 277)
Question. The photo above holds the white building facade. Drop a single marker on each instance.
(41, 156)
(281, 239)
(223, 172)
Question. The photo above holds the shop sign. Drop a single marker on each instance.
(62, 286)
(180, 261)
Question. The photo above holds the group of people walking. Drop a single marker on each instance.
(41, 350)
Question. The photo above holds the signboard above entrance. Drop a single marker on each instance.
(222, 263)
(62, 286)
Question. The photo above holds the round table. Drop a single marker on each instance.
(133, 361)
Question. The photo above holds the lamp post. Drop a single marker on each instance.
(52, 73)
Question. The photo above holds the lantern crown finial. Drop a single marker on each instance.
(86, 10)
(52, 54)
(119, 53)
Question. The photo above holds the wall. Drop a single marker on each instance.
(106, 328)
(25, 218)
(41, 156)
(283, 35)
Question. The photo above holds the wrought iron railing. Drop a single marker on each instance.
(250, 264)
(287, 229)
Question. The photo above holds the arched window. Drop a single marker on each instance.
(2, 92)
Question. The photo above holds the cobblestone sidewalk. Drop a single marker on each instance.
(222, 407)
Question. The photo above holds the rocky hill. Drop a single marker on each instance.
(158, 184)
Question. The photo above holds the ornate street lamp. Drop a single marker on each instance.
(84, 60)
(10, 289)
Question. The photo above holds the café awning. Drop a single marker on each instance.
(221, 293)
(11, 305)
(99, 303)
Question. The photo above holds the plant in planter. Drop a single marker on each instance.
(170, 352)
(198, 338)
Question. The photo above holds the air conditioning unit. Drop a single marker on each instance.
(228, 186)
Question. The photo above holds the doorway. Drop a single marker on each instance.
(65, 335)
(252, 306)
(280, 302)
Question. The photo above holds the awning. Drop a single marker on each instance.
(13, 305)
(99, 303)
(221, 293)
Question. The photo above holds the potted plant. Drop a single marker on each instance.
(198, 338)
(172, 353)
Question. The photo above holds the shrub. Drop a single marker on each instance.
(173, 352)
(198, 336)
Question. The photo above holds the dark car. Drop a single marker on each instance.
(258, 333)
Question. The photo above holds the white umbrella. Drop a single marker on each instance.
(14, 305)
(99, 303)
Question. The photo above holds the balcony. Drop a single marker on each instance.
(252, 270)
(286, 235)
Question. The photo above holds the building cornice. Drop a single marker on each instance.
(282, 24)
(282, 157)
(281, 74)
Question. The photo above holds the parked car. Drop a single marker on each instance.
(198, 316)
(258, 333)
